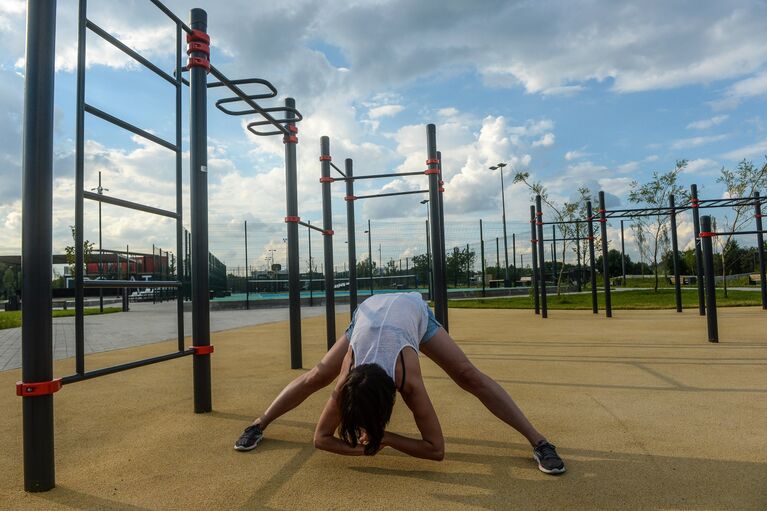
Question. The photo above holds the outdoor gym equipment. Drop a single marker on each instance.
(38, 384)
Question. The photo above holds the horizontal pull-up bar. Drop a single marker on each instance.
(374, 176)
(388, 194)
(100, 197)
(730, 233)
(587, 238)
(125, 49)
(124, 367)
(130, 127)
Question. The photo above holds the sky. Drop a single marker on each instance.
(577, 93)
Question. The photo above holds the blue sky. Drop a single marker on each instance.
(576, 93)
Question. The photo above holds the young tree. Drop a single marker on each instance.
(70, 253)
(566, 212)
(741, 182)
(655, 194)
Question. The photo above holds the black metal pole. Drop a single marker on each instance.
(429, 273)
(760, 248)
(180, 232)
(198, 170)
(534, 278)
(350, 235)
(555, 273)
(311, 279)
(247, 273)
(36, 244)
(514, 258)
(623, 257)
(294, 277)
(482, 254)
(327, 227)
(592, 259)
(79, 184)
(541, 257)
(441, 217)
(698, 254)
(605, 261)
(708, 268)
(497, 257)
(675, 254)
(440, 306)
(370, 257)
(101, 291)
(505, 239)
(578, 268)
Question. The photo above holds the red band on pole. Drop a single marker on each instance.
(533, 241)
(328, 179)
(603, 220)
(293, 128)
(42, 388)
(590, 238)
(539, 213)
(602, 211)
(292, 219)
(440, 189)
(196, 46)
(328, 232)
(350, 198)
(759, 216)
(431, 171)
(707, 234)
(202, 350)
(197, 36)
(326, 158)
(198, 62)
(432, 162)
(290, 139)
(441, 182)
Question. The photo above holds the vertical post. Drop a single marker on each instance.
(592, 259)
(482, 254)
(578, 269)
(605, 261)
(180, 232)
(541, 257)
(514, 258)
(698, 251)
(370, 257)
(555, 273)
(534, 278)
(79, 183)
(442, 253)
(760, 247)
(497, 258)
(505, 238)
(37, 249)
(623, 257)
(101, 273)
(350, 235)
(327, 235)
(708, 269)
(311, 279)
(294, 278)
(675, 254)
(468, 267)
(429, 273)
(247, 273)
(440, 307)
(198, 170)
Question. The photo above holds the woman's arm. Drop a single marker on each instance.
(324, 433)
(431, 446)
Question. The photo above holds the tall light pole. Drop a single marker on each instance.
(505, 240)
(370, 257)
(100, 190)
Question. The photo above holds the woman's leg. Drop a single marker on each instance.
(443, 350)
(307, 384)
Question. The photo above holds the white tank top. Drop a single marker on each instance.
(385, 324)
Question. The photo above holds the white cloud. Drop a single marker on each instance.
(628, 167)
(385, 111)
(447, 112)
(705, 124)
(575, 155)
(546, 140)
(702, 166)
(749, 151)
(688, 143)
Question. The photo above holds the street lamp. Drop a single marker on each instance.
(505, 240)
(100, 190)
(370, 258)
(428, 251)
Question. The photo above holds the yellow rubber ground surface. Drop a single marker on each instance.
(646, 413)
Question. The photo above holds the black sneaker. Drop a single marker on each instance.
(548, 459)
(249, 438)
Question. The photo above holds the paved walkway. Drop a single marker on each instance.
(146, 323)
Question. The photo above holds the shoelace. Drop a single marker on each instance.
(547, 451)
(250, 433)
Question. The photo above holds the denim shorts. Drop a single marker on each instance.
(431, 327)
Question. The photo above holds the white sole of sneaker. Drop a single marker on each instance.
(240, 448)
(546, 470)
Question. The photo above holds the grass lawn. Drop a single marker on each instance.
(12, 319)
(639, 299)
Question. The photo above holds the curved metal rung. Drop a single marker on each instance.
(251, 126)
(234, 99)
(247, 81)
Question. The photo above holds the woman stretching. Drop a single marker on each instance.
(377, 356)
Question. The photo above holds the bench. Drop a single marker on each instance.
(754, 278)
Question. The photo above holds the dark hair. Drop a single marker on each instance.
(366, 402)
